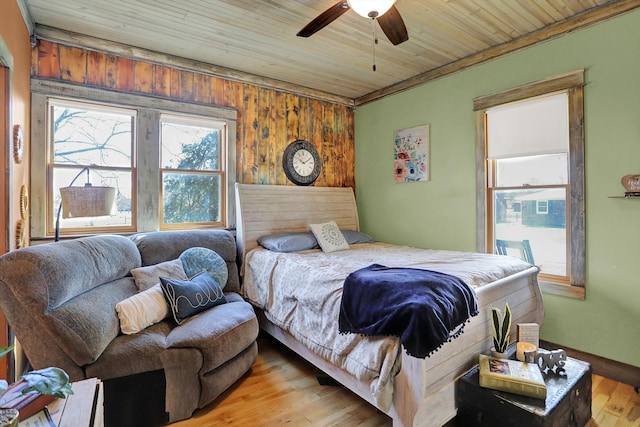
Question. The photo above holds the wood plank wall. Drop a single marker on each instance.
(268, 120)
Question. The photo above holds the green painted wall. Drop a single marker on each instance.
(441, 213)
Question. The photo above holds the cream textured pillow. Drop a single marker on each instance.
(149, 276)
(142, 310)
(329, 236)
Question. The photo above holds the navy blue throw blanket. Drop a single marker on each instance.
(422, 307)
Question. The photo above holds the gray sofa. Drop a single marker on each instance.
(59, 299)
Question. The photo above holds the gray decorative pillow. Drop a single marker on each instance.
(355, 237)
(196, 260)
(147, 277)
(289, 242)
(329, 236)
(187, 298)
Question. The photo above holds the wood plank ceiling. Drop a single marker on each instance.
(255, 40)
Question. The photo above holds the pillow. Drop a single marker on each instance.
(196, 260)
(190, 297)
(329, 236)
(142, 310)
(289, 242)
(355, 237)
(149, 276)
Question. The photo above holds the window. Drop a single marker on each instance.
(172, 163)
(530, 155)
(542, 206)
(191, 170)
(83, 134)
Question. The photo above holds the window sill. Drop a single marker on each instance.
(576, 292)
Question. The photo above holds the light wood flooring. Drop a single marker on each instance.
(282, 389)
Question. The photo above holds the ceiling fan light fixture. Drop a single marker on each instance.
(371, 8)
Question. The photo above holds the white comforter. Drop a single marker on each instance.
(301, 292)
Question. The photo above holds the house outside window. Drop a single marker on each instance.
(530, 158)
(172, 163)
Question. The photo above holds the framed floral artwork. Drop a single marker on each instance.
(411, 154)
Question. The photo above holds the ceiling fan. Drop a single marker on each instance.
(383, 11)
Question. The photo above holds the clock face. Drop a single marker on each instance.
(301, 163)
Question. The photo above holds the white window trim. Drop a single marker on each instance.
(573, 82)
(539, 209)
(148, 147)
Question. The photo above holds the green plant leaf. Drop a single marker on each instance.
(505, 328)
(5, 350)
(53, 381)
(501, 324)
(495, 323)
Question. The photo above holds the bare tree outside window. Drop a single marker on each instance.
(98, 137)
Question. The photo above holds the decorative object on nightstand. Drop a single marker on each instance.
(84, 201)
(528, 340)
(301, 163)
(501, 324)
(528, 332)
(512, 376)
(551, 362)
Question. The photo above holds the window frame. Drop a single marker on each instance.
(573, 83)
(221, 126)
(146, 151)
(54, 101)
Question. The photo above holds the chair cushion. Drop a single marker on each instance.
(221, 332)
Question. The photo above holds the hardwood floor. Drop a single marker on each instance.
(282, 389)
(613, 404)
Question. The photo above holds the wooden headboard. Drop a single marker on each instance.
(268, 209)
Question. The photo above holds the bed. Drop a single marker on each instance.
(412, 391)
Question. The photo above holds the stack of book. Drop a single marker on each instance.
(512, 376)
(27, 404)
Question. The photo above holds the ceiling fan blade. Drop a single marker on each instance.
(324, 19)
(393, 26)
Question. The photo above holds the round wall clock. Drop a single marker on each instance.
(301, 162)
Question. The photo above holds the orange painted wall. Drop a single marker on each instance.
(15, 36)
(268, 120)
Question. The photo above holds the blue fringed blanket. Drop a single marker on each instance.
(422, 307)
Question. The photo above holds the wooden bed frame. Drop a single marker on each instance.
(424, 388)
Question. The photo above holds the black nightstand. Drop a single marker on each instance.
(568, 401)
